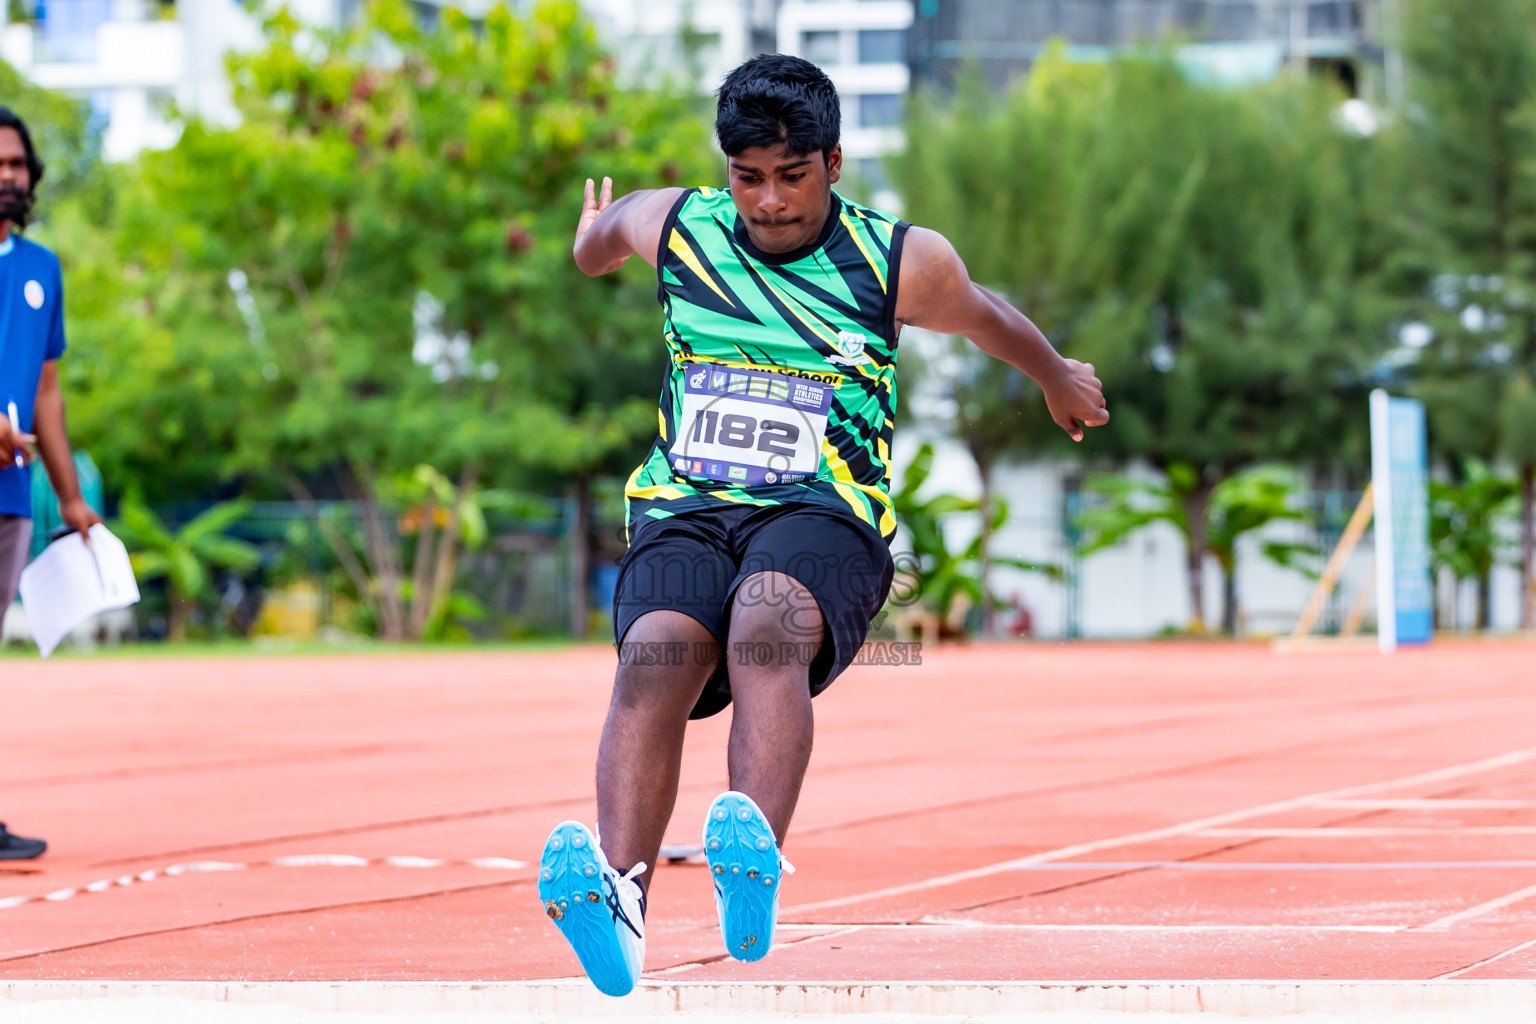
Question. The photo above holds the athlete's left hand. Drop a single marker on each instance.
(1075, 397)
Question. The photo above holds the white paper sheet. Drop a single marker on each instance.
(69, 582)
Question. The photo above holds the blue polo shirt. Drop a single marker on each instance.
(31, 332)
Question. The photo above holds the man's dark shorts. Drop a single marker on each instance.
(695, 563)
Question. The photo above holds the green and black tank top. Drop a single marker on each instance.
(781, 381)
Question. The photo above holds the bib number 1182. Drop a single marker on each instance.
(736, 430)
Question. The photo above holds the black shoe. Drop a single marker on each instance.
(13, 847)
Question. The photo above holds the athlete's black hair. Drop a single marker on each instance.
(775, 99)
(35, 167)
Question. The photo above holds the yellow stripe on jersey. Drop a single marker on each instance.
(655, 491)
(803, 315)
(680, 247)
(843, 482)
(816, 326)
(741, 498)
(854, 233)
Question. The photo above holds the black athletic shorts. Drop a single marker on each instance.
(695, 562)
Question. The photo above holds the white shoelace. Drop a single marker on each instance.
(630, 888)
(629, 877)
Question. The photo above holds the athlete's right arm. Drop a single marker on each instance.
(611, 231)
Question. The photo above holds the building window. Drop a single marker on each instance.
(873, 177)
(883, 46)
(823, 47)
(66, 29)
(880, 110)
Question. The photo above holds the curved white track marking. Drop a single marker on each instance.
(837, 932)
(1486, 961)
(1278, 866)
(1352, 832)
(1487, 764)
(937, 924)
(1427, 804)
(308, 860)
(1481, 910)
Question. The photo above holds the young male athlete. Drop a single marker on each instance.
(759, 523)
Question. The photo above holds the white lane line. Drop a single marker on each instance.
(1028, 926)
(1428, 804)
(1481, 910)
(1486, 961)
(837, 932)
(307, 860)
(1453, 831)
(1487, 764)
(1260, 865)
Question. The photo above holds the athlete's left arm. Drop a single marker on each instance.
(936, 292)
(53, 446)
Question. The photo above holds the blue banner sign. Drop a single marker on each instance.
(1400, 483)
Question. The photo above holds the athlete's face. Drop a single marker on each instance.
(783, 199)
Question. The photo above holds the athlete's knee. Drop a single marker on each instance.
(773, 607)
(667, 684)
(775, 624)
(664, 657)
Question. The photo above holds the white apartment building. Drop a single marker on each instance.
(862, 45)
(141, 63)
(648, 35)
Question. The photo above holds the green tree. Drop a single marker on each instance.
(1239, 505)
(1053, 211)
(942, 576)
(1464, 529)
(186, 557)
(373, 269)
(1211, 251)
(1468, 259)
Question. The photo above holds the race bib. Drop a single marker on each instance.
(749, 427)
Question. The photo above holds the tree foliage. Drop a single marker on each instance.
(1467, 261)
(372, 271)
(185, 557)
(1241, 504)
(942, 574)
(1213, 252)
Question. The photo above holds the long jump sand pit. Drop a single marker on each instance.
(1170, 827)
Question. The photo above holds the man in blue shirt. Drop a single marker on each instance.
(31, 342)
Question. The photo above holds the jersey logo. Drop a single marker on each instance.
(851, 345)
(34, 294)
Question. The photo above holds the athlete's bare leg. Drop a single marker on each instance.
(771, 724)
(642, 747)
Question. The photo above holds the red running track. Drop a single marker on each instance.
(1095, 812)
